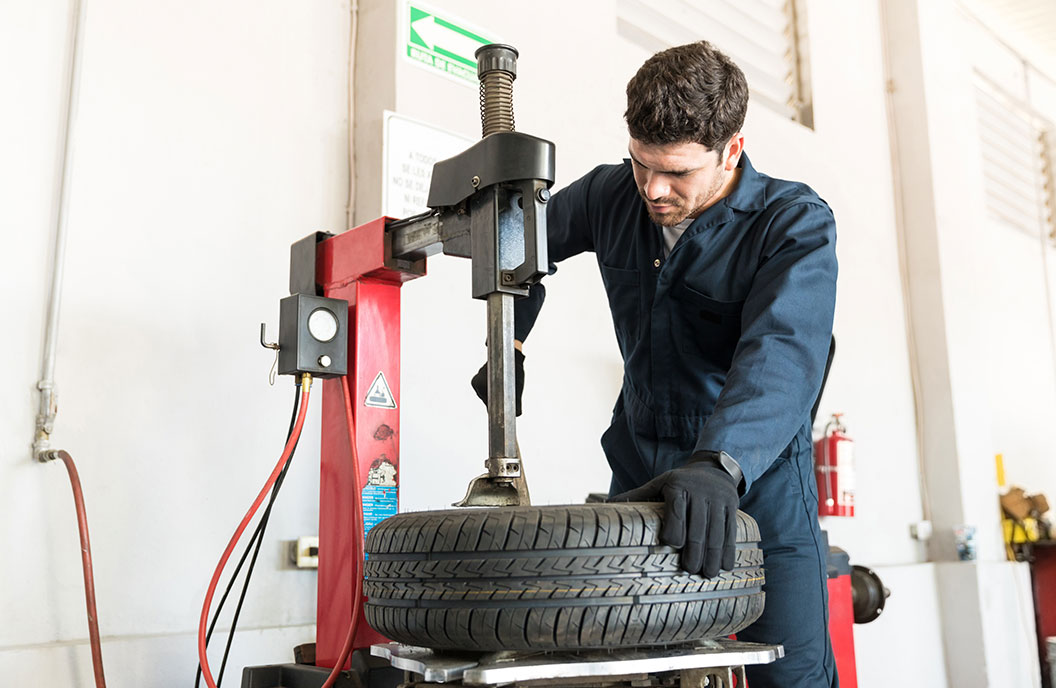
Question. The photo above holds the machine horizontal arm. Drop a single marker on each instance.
(426, 235)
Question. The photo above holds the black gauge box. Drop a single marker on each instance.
(313, 336)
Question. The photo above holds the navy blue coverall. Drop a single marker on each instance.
(724, 345)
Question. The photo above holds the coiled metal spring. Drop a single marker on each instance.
(496, 102)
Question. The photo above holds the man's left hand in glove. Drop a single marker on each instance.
(700, 510)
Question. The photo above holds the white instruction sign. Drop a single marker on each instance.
(411, 148)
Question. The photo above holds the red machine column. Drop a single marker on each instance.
(351, 266)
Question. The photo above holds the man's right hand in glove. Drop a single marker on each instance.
(700, 513)
(480, 380)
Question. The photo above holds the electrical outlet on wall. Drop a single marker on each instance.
(304, 552)
(921, 530)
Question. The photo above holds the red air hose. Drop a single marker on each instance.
(86, 562)
(357, 596)
(290, 444)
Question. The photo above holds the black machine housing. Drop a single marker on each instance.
(299, 350)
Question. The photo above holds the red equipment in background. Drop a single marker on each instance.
(856, 596)
(841, 616)
(353, 266)
(834, 469)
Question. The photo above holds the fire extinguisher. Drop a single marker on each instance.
(834, 469)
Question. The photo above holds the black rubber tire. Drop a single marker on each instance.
(550, 577)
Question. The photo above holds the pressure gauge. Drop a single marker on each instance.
(313, 336)
(322, 324)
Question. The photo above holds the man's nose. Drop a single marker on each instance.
(656, 187)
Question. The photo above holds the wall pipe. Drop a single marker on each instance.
(45, 422)
(353, 35)
(46, 416)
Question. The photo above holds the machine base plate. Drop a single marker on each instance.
(718, 658)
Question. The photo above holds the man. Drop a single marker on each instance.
(722, 285)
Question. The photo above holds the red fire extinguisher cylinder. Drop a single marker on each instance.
(834, 469)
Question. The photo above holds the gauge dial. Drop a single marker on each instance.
(322, 324)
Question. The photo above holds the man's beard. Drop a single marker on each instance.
(669, 219)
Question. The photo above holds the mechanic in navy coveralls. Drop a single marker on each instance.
(722, 284)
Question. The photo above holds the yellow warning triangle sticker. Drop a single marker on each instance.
(379, 395)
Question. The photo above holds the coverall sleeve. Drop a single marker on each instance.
(786, 324)
(568, 233)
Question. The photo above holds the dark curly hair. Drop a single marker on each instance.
(689, 93)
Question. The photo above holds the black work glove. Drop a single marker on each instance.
(700, 513)
(480, 380)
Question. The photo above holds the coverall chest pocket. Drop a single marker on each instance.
(710, 328)
(622, 287)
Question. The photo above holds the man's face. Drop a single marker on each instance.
(678, 180)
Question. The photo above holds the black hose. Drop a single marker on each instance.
(256, 539)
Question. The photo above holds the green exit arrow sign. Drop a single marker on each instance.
(444, 44)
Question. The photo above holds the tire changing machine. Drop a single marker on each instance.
(487, 204)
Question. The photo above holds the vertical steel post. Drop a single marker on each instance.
(502, 411)
(497, 68)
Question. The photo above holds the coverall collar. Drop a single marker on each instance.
(750, 192)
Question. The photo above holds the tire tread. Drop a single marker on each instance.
(568, 577)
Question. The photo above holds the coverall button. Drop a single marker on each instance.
(656, 263)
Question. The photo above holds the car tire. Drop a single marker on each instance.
(550, 577)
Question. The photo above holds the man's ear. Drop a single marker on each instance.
(732, 152)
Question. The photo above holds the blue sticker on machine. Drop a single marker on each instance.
(379, 502)
(381, 495)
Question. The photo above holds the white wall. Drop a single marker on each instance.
(214, 135)
(1018, 302)
(211, 136)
